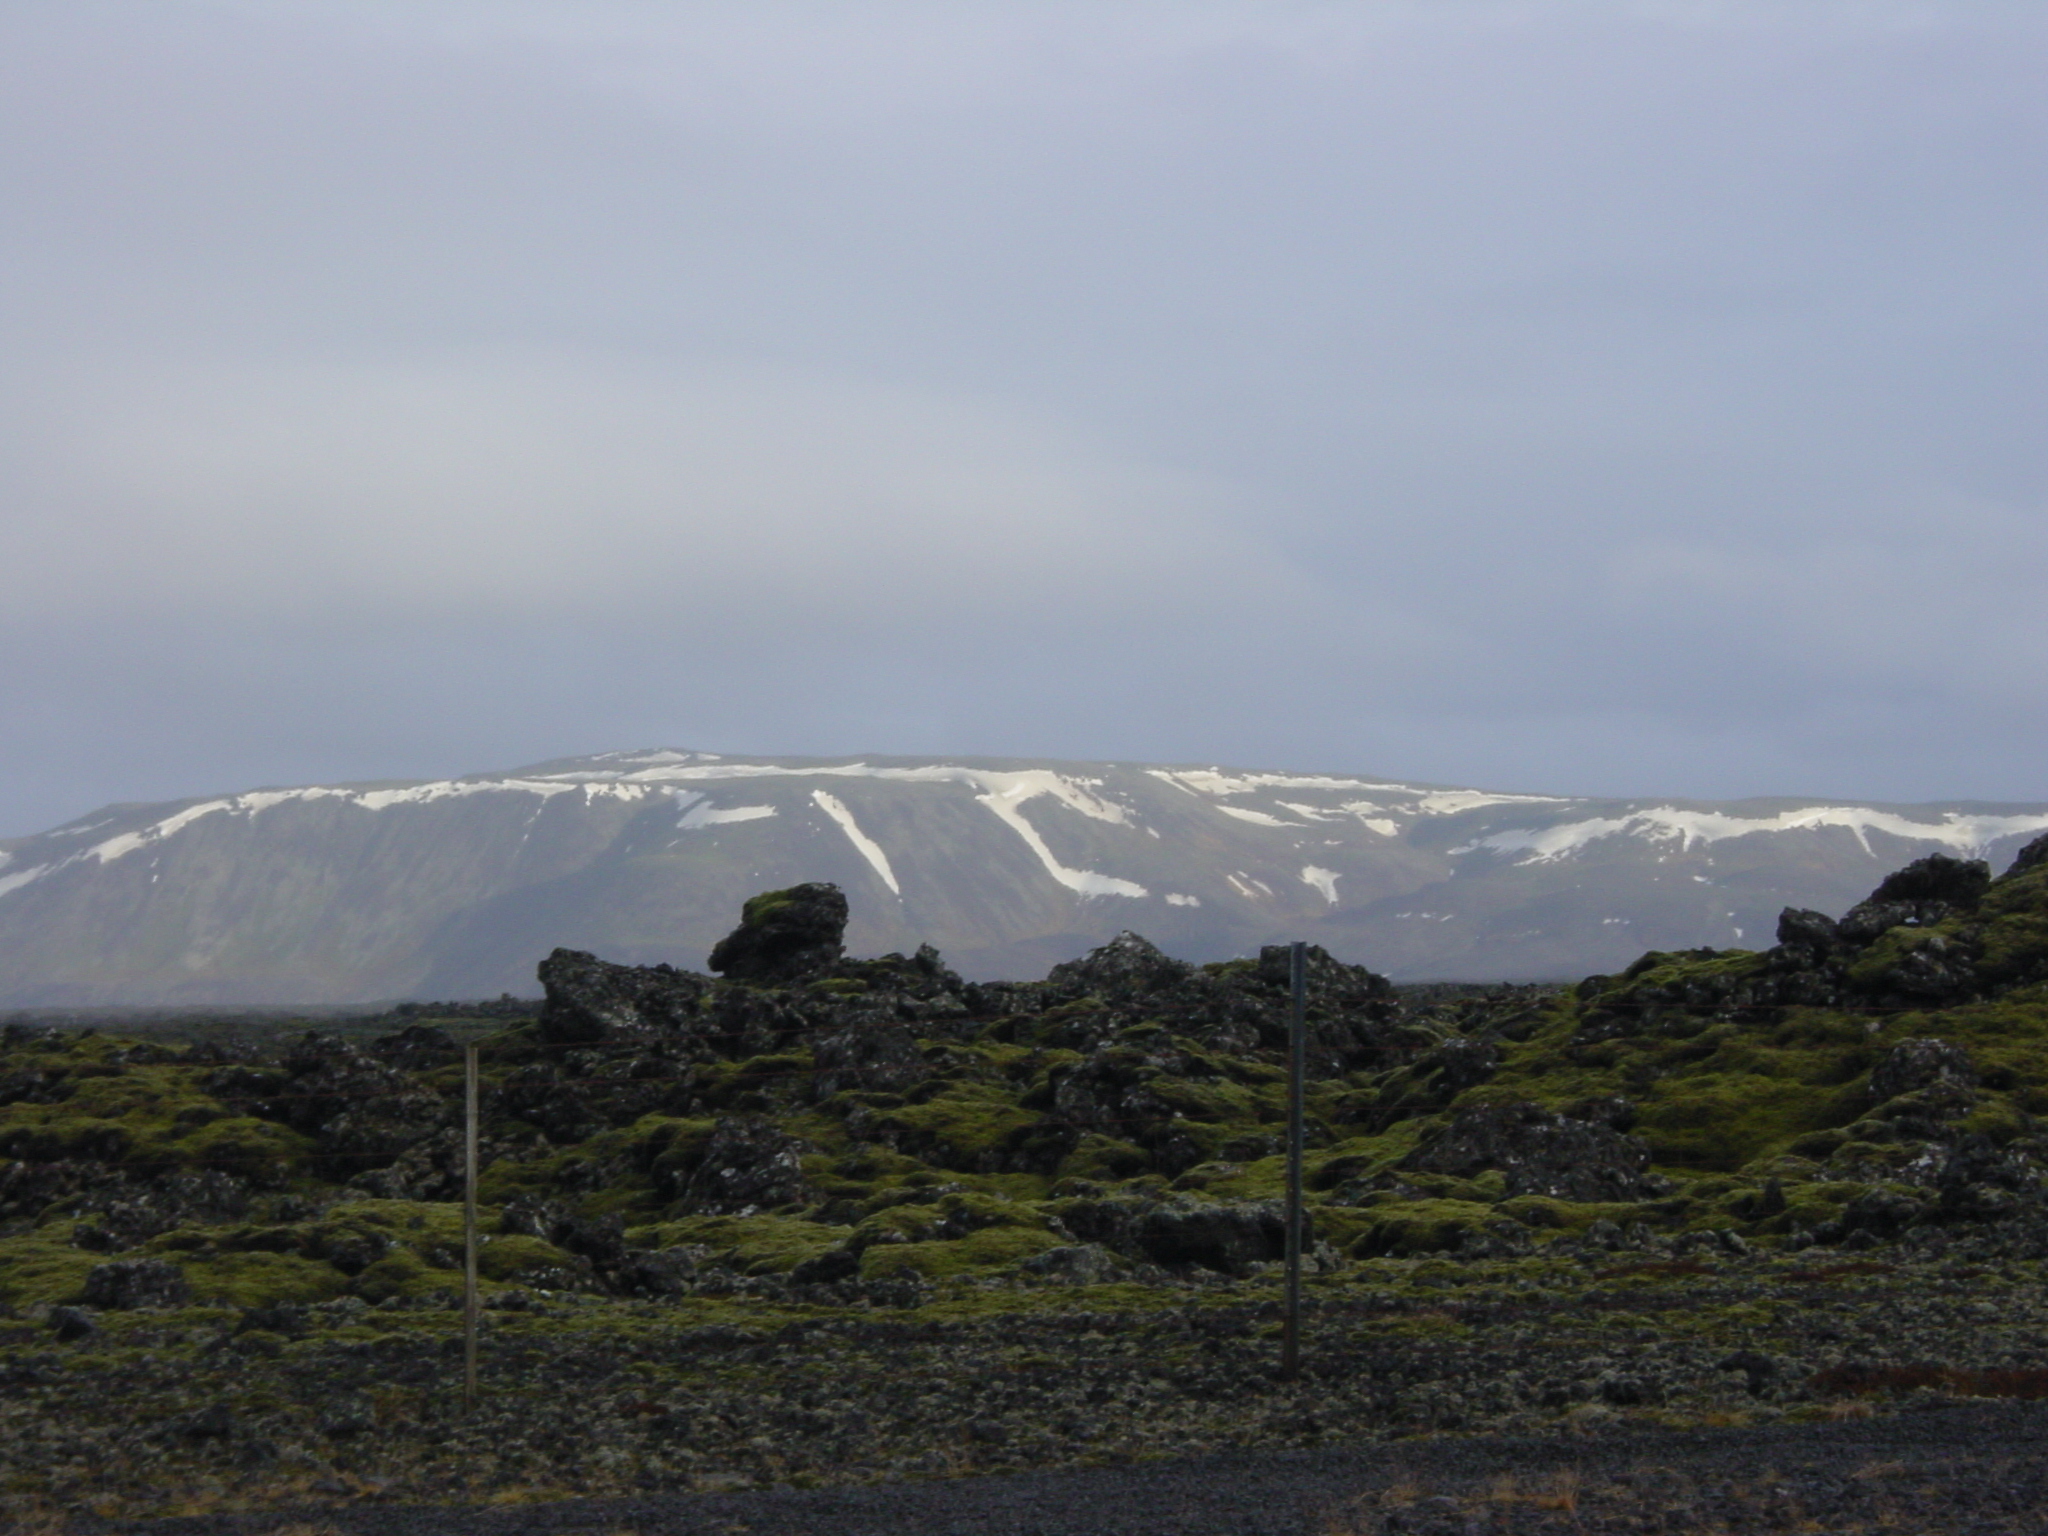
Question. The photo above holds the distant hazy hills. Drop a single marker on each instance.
(341, 893)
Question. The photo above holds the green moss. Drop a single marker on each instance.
(1573, 1217)
(1998, 1119)
(989, 1249)
(257, 1279)
(751, 1245)
(1807, 1205)
(1104, 1159)
(840, 986)
(1420, 1226)
(151, 1116)
(243, 1145)
(42, 1266)
(756, 910)
(1221, 1100)
(1724, 1121)
(959, 1126)
(507, 1258)
(403, 1273)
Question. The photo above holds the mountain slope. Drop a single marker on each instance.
(457, 887)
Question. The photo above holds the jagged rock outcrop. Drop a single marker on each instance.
(591, 1000)
(1918, 940)
(1539, 1152)
(1183, 1233)
(749, 1165)
(1129, 966)
(128, 1283)
(1914, 1066)
(785, 936)
(1920, 895)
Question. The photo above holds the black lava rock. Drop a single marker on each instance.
(748, 1165)
(1913, 1066)
(785, 936)
(131, 1283)
(591, 1000)
(70, 1325)
(1540, 1153)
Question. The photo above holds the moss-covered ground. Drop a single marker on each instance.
(887, 1225)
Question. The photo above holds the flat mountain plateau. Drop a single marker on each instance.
(359, 893)
(823, 1222)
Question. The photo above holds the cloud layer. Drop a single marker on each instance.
(1565, 396)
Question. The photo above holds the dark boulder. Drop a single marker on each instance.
(875, 1058)
(1884, 1213)
(1325, 978)
(542, 1096)
(748, 1165)
(1801, 928)
(1129, 965)
(1077, 1264)
(1758, 1371)
(785, 936)
(1183, 1233)
(591, 1000)
(70, 1325)
(121, 1214)
(1914, 1066)
(361, 1112)
(2028, 857)
(1927, 969)
(1230, 1238)
(1924, 892)
(1610, 1110)
(657, 1272)
(600, 1239)
(834, 1264)
(1539, 1152)
(1953, 882)
(132, 1283)
(416, 1048)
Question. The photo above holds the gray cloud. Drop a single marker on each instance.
(1583, 397)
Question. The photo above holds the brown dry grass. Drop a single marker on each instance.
(2025, 1385)
(1563, 1493)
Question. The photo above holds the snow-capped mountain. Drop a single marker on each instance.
(451, 888)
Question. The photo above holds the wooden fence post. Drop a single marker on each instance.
(1297, 1071)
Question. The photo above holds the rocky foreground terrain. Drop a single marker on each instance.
(821, 1222)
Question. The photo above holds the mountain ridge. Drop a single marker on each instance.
(384, 889)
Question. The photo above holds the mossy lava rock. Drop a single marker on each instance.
(785, 936)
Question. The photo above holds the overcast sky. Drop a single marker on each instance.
(1600, 398)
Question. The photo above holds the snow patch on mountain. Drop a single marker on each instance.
(1956, 830)
(700, 812)
(1256, 818)
(1408, 799)
(255, 802)
(1449, 802)
(1003, 791)
(1324, 880)
(1215, 783)
(868, 848)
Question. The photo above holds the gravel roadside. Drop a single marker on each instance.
(1968, 1469)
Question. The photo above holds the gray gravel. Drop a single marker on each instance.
(1961, 1469)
